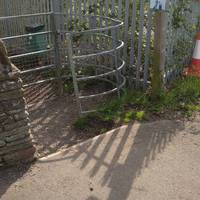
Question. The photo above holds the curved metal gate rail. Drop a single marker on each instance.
(97, 50)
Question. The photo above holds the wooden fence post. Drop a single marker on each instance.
(158, 66)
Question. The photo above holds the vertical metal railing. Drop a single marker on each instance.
(55, 20)
(73, 70)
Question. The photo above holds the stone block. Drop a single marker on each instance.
(16, 137)
(11, 149)
(8, 120)
(21, 115)
(10, 85)
(20, 130)
(1, 108)
(13, 104)
(24, 155)
(15, 94)
(3, 117)
(1, 130)
(2, 143)
(15, 111)
(9, 74)
(18, 142)
(16, 125)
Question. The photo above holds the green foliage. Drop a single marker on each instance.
(179, 18)
(130, 115)
(82, 122)
(68, 87)
(185, 22)
(140, 115)
(183, 96)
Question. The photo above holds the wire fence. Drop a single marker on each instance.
(183, 23)
(136, 33)
(34, 33)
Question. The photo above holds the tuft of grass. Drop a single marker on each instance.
(81, 123)
(184, 96)
(187, 90)
(129, 116)
(68, 87)
(140, 115)
(193, 107)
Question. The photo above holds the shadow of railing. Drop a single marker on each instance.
(52, 125)
(119, 158)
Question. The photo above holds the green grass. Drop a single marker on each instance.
(68, 87)
(81, 123)
(184, 96)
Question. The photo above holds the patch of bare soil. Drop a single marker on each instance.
(52, 119)
(52, 124)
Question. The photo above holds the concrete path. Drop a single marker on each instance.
(151, 161)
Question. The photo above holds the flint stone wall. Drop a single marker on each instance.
(15, 139)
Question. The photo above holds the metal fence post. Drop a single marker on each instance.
(73, 70)
(56, 42)
(115, 39)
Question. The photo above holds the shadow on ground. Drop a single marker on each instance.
(52, 125)
(9, 176)
(118, 159)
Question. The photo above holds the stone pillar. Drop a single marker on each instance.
(15, 140)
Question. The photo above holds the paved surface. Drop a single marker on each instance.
(152, 161)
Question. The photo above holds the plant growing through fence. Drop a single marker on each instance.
(183, 24)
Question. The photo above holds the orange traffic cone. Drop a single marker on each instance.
(194, 68)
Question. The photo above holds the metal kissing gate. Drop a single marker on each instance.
(85, 41)
(95, 56)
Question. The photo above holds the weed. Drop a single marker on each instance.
(81, 123)
(184, 95)
(140, 115)
(68, 87)
(130, 115)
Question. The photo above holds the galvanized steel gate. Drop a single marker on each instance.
(38, 34)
